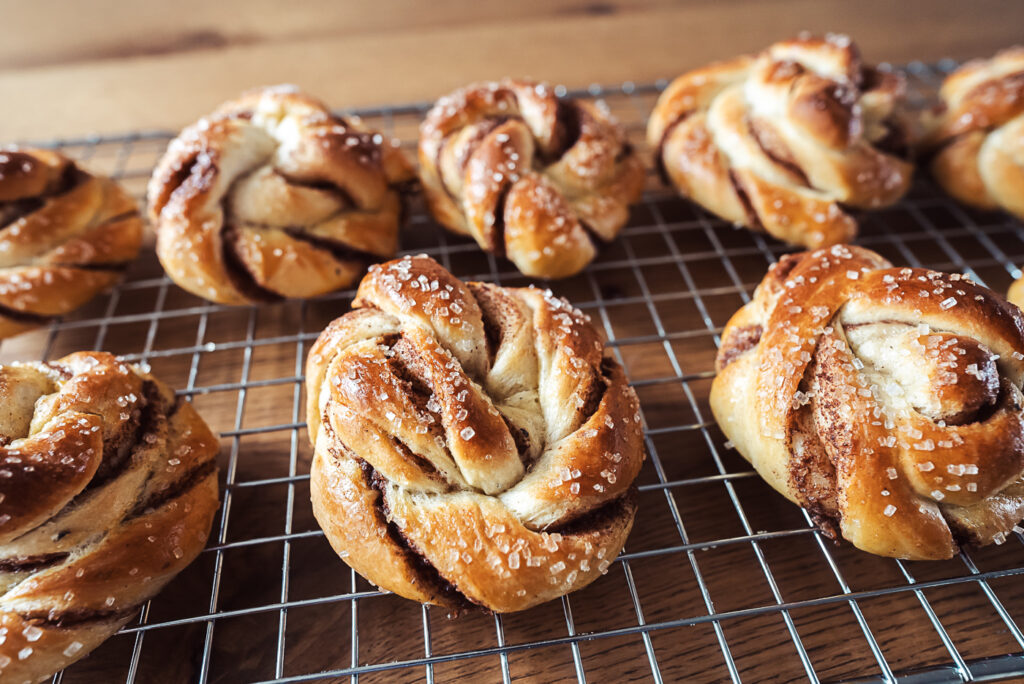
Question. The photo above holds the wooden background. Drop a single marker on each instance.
(101, 66)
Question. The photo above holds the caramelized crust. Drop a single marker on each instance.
(887, 401)
(540, 180)
(273, 196)
(65, 236)
(1016, 293)
(108, 488)
(783, 141)
(473, 444)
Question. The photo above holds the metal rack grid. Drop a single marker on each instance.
(721, 578)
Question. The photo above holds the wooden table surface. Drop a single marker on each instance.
(101, 66)
(72, 69)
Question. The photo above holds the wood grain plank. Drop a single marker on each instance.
(423, 61)
(51, 32)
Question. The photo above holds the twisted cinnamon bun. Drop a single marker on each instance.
(65, 236)
(473, 444)
(108, 488)
(978, 137)
(273, 196)
(783, 141)
(886, 401)
(536, 179)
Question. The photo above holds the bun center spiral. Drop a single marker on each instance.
(942, 376)
(468, 386)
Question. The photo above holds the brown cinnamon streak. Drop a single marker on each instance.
(11, 212)
(738, 343)
(340, 250)
(659, 158)
(68, 618)
(427, 573)
(117, 454)
(748, 208)
(569, 117)
(236, 269)
(322, 185)
(772, 149)
(183, 485)
(29, 563)
(599, 517)
(496, 236)
(25, 317)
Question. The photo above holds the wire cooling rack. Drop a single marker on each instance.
(721, 579)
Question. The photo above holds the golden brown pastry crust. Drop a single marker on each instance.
(65, 236)
(108, 488)
(884, 400)
(782, 141)
(473, 445)
(273, 196)
(1016, 292)
(536, 179)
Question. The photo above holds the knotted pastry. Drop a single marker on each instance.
(473, 445)
(978, 137)
(539, 180)
(65, 236)
(884, 400)
(781, 142)
(108, 487)
(273, 196)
